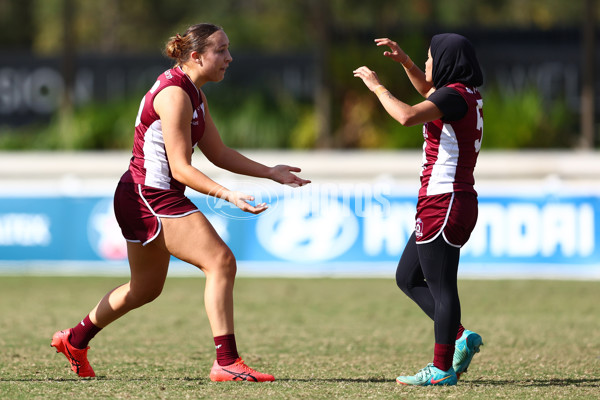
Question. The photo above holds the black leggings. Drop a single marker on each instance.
(427, 273)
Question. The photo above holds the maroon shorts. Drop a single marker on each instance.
(452, 214)
(138, 209)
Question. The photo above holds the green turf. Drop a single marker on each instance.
(321, 338)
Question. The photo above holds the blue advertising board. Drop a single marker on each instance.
(324, 229)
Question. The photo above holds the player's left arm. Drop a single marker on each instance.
(406, 114)
(222, 156)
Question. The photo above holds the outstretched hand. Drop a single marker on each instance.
(283, 174)
(241, 201)
(368, 76)
(395, 53)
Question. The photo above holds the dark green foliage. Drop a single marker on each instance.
(96, 126)
(524, 120)
(261, 117)
(261, 120)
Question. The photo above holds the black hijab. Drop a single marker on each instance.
(454, 61)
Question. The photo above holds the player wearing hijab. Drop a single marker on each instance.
(452, 115)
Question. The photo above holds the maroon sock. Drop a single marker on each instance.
(82, 333)
(461, 329)
(227, 352)
(442, 356)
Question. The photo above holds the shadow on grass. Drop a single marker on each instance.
(592, 382)
(188, 379)
(337, 380)
(9, 380)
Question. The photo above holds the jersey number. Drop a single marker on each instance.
(479, 124)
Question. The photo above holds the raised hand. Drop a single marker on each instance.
(395, 53)
(368, 76)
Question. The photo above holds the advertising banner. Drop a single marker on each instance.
(320, 229)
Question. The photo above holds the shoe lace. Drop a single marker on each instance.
(425, 372)
(244, 366)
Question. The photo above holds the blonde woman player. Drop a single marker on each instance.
(159, 221)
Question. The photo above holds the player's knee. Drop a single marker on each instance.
(402, 281)
(137, 298)
(227, 264)
(221, 263)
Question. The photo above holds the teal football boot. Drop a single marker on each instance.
(429, 376)
(466, 347)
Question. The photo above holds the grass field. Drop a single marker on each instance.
(321, 338)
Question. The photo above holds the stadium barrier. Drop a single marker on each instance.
(539, 215)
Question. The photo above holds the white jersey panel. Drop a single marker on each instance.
(444, 170)
(155, 158)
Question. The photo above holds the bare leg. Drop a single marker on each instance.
(149, 265)
(193, 239)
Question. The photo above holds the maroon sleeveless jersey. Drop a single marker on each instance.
(451, 148)
(149, 165)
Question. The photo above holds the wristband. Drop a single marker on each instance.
(409, 62)
(379, 90)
